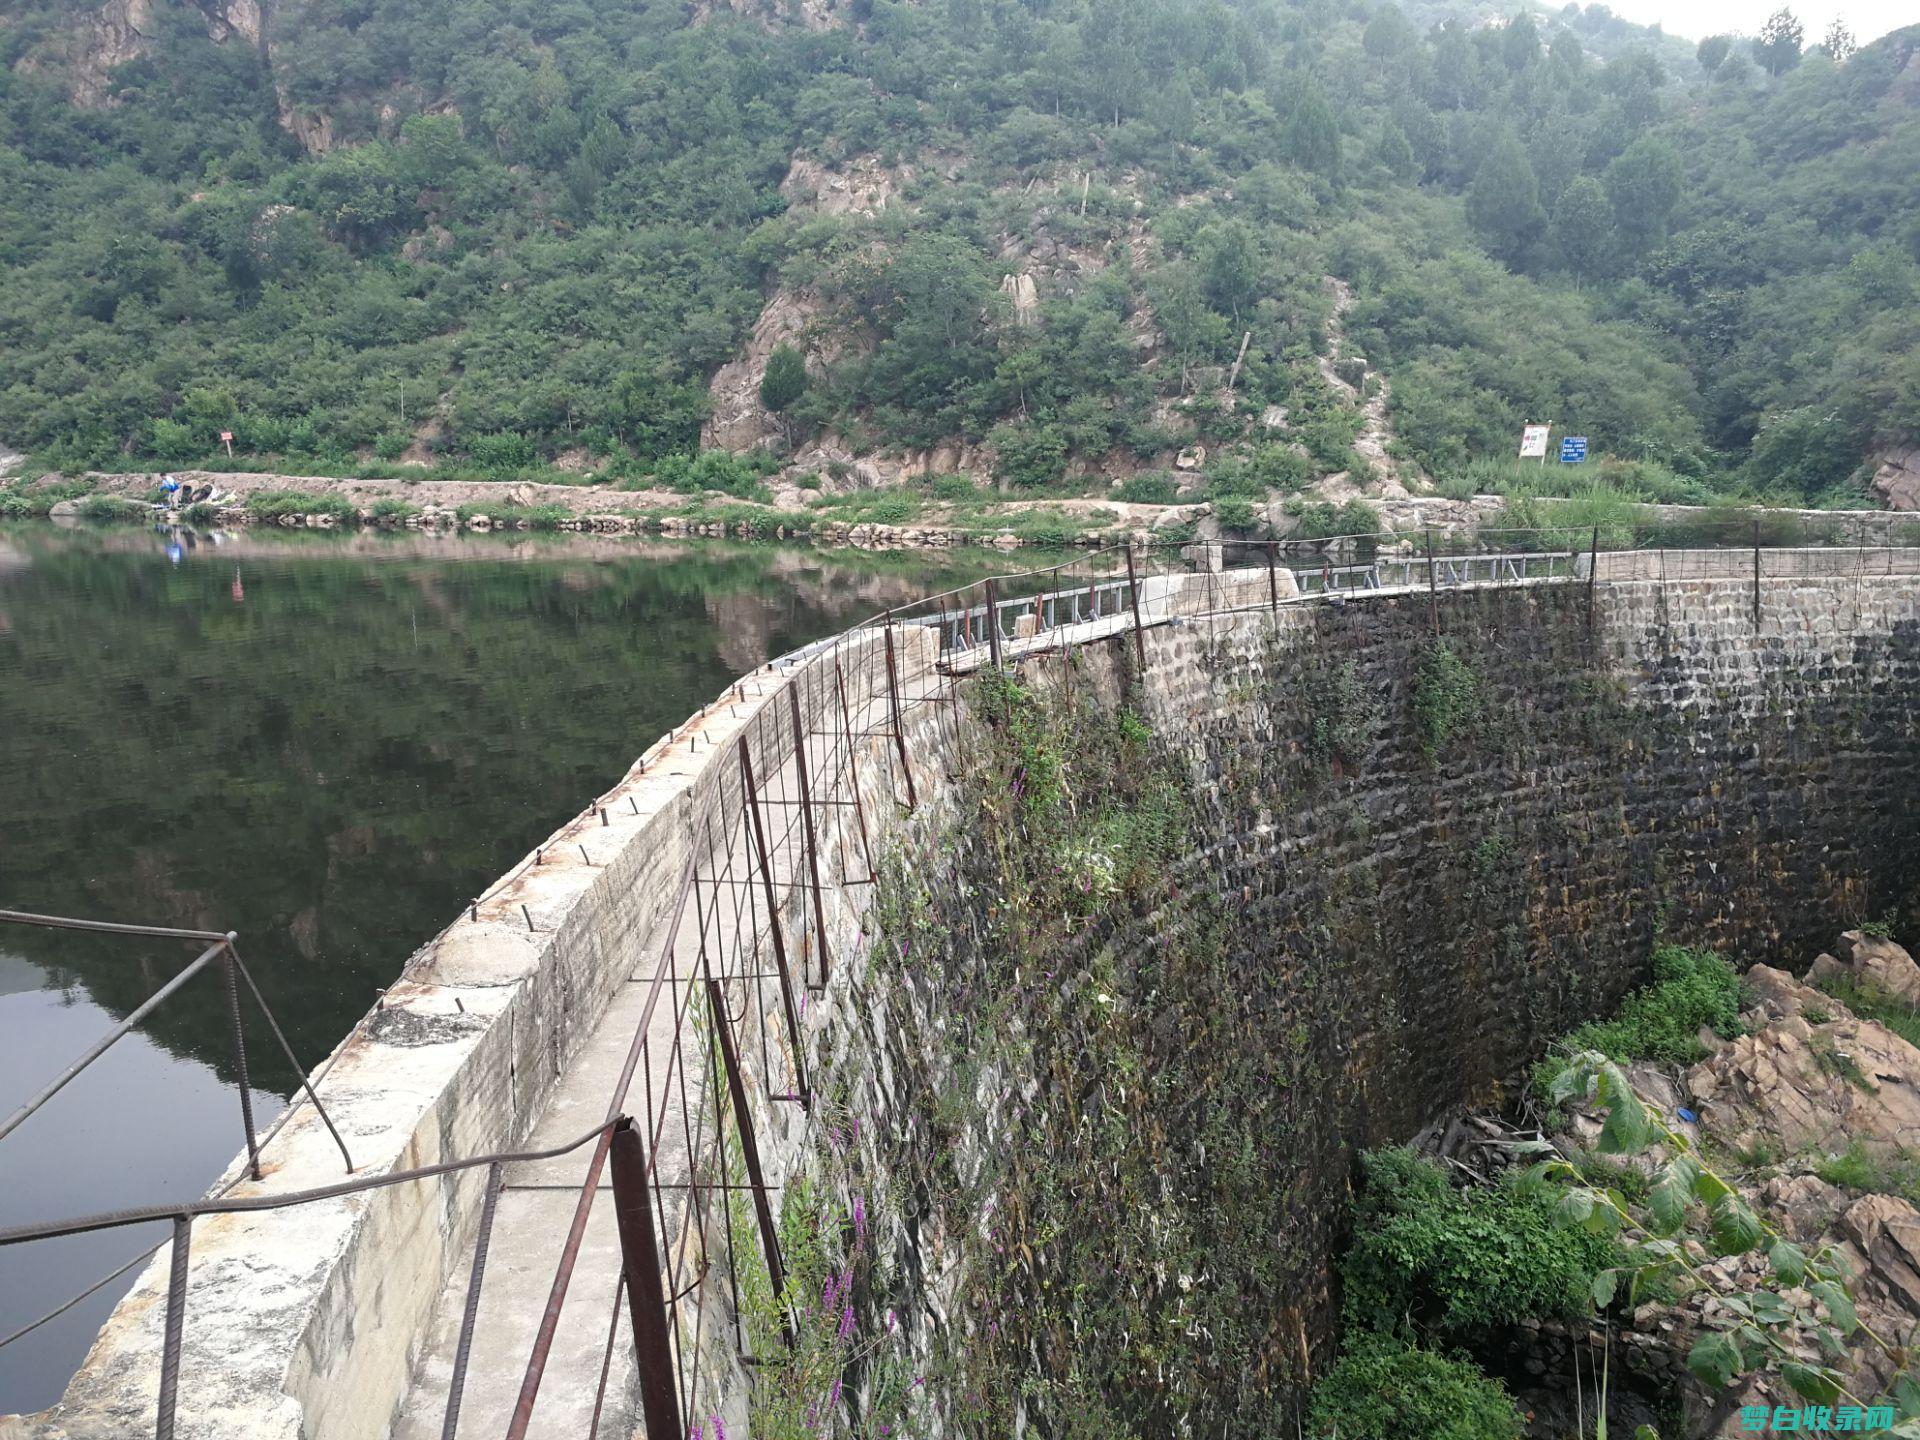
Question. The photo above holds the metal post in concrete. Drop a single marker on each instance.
(853, 769)
(1133, 596)
(1433, 586)
(765, 861)
(470, 1313)
(646, 1296)
(893, 699)
(1756, 575)
(749, 1147)
(1593, 575)
(240, 1063)
(806, 822)
(176, 1326)
(1273, 581)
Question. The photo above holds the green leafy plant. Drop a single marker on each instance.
(1446, 695)
(1803, 1302)
(1430, 1259)
(1661, 1021)
(1383, 1388)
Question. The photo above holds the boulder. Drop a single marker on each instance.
(1886, 1231)
(1804, 1206)
(1794, 1086)
(1896, 483)
(1881, 966)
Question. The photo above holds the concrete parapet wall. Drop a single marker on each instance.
(308, 1321)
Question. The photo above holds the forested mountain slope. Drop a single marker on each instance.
(1006, 237)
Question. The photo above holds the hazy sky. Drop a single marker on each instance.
(1868, 19)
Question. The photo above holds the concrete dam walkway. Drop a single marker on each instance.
(574, 1115)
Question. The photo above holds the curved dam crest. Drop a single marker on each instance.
(1392, 878)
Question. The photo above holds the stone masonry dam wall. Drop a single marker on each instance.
(1374, 917)
(1087, 1164)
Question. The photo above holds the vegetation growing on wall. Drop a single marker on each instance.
(1115, 1179)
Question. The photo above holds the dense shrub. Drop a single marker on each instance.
(1428, 1258)
(1385, 1389)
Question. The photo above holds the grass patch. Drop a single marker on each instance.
(1661, 1021)
(533, 517)
(114, 508)
(1871, 1004)
(274, 504)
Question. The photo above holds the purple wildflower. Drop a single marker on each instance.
(846, 1322)
(892, 1323)
(859, 1217)
(834, 1399)
(719, 1430)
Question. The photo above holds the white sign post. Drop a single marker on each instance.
(1533, 443)
(226, 439)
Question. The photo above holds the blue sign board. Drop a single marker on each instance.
(1573, 449)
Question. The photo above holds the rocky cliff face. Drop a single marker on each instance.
(121, 31)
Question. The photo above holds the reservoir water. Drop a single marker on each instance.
(327, 743)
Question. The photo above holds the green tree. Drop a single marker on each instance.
(1388, 33)
(1778, 48)
(784, 380)
(1643, 182)
(1712, 51)
(1312, 135)
(1504, 200)
(1520, 42)
(1581, 231)
(1839, 43)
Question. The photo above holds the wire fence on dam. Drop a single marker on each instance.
(524, 1195)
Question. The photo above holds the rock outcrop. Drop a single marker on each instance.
(1896, 483)
(1810, 1076)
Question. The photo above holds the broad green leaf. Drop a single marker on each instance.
(1770, 1309)
(1906, 1395)
(1839, 1304)
(1667, 1203)
(1788, 1260)
(1732, 1226)
(1817, 1384)
(1626, 1131)
(1714, 1360)
(1574, 1208)
(1709, 1187)
(1604, 1285)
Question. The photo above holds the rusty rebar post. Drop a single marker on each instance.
(646, 1295)
(893, 700)
(749, 1148)
(1139, 632)
(853, 768)
(773, 912)
(1593, 575)
(1273, 580)
(806, 825)
(470, 1313)
(993, 622)
(1756, 575)
(1433, 586)
(240, 1059)
(176, 1326)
